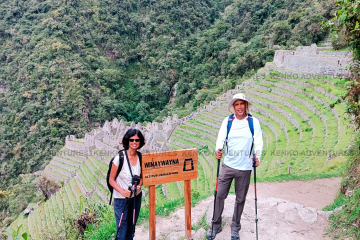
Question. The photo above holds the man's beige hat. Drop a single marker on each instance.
(239, 96)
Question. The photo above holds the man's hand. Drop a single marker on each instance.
(218, 154)
(257, 161)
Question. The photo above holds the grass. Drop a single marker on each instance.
(100, 164)
(335, 90)
(201, 117)
(204, 126)
(196, 138)
(331, 120)
(319, 136)
(195, 130)
(87, 184)
(213, 115)
(340, 50)
(56, 174)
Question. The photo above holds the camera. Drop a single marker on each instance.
(135, 181)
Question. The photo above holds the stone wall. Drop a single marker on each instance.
(309, 59)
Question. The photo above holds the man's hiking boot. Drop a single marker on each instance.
(211, 235)
(235, 235)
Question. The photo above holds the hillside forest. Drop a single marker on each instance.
(66, 66)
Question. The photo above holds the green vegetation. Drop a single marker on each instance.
(346, 222)
(67, 66)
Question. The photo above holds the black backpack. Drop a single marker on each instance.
(121, 163)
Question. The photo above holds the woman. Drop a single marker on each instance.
(123, 197)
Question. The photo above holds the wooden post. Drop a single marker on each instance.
(187, 196)
(289, 167)
(152, 219)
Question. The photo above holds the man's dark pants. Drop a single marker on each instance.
(242, 181)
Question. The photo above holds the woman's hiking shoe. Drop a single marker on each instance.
(235, 235)
(211, 235)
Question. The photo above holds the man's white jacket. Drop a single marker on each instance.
(238, 154)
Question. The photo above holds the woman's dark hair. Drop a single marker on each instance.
(130, 133)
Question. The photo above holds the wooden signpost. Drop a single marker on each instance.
(166, 167)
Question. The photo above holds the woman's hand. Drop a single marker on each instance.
(138, 190)
(126, 193)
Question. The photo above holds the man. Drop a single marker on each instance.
(237, 163)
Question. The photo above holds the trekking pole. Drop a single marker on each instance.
(119, 226)
(256, 219)
(215, 193)
(133, 233)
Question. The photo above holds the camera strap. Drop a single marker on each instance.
(128, 161)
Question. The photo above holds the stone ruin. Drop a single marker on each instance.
(109, 136)
(312, 60)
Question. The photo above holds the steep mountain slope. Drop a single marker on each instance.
(65, 65)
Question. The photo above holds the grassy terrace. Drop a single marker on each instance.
(68, 208)
(195, 130)
(281, 145)
(60, 169)
(203, 126)
(67, 161)
(100, 164)
(56, 174)
(218, 117)
(86, 182)
(332, 124)
(267, 155)
(196, 138)
(101, 153)
(201, 117)
(209, 174)
(71, 197)
(173, 191)
(93, 178)
(293, 133)
(331, 141)
(334, 89)
(223, 112)
(319, 134)
(63, 164)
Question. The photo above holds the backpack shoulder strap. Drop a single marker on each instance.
(230, 121)
(251, 126)
(121, 163)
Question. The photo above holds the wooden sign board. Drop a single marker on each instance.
(169, 166)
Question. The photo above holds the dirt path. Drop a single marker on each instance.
(286, 210)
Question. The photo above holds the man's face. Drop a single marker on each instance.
(240, 107)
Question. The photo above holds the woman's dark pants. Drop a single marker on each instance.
(126, 206)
